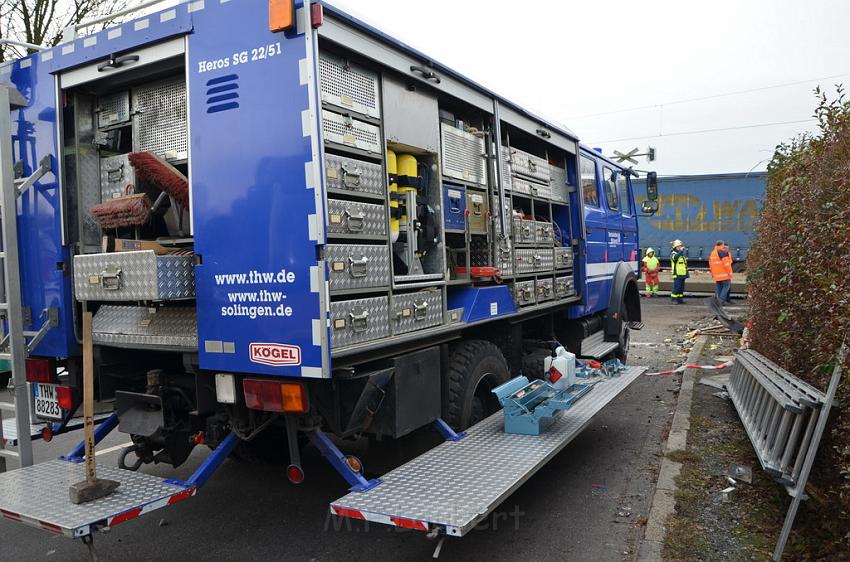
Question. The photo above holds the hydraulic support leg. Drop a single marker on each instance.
(340, 462)
(104, 429)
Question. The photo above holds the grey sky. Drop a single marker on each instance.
(578, 61)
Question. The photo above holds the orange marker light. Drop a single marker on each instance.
(281, 15)
(294, 398)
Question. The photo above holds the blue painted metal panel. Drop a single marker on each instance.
(253, 196)
(481, 303)
(45, 263)
(699, 210)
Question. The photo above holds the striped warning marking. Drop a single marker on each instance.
(380, 518)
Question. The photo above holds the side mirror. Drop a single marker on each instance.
(652, 186)
(649, 207)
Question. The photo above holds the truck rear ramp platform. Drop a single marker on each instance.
(457, 484)
(37, 495)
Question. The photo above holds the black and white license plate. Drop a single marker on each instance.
(46, 401)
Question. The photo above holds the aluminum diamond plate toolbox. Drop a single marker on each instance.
(563, 257)
(457, 484)
(523, 231)
(416, 311)
(528, 165)
(543, 233)
(545, 290)
(349, 85)
(347, 130)
(159, 117)
(349, 175)
(352, 217)
(531, 260)
(134, 276)
(357, 266)
(116, 174)
(564, 286)
(359, 320)
(463, 155)
(524, 292)
(142, 327)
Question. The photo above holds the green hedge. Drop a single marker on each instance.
(799, 275)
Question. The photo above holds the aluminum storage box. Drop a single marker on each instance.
(504, 262)
(356, 266)
(349, 175)
(416, 311)
(528, 165)
(142, 327)
(478, 208)
(523, 231)
(349, 85)
(532, 260)
(350, 131)
(134, 276)
(359, 320)
(545, 290)
(564, 286)
(116, 174)
(463, 155)
(524, 292)
(353, 217)
(113, 109)
(558, 187)
(543, 233)
(563, 258)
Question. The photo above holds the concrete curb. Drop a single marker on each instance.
(664, 502)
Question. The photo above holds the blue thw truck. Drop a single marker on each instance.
(370, 244)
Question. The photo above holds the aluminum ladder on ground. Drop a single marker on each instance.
(14, 346)
(779, 413)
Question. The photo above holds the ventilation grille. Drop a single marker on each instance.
(463, 155)
(348, 85)
(222, 93)
(343, 129)
(160, 111)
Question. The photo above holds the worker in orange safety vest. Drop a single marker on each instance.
(651, 267)
(720, 264)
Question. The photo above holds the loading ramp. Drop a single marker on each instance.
(456, 485)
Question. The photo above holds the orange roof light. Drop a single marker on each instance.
(281, 15)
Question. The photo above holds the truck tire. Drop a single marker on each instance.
(624, 343)
(475, 368)
(532, 362)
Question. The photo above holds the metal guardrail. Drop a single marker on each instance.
(779, 413)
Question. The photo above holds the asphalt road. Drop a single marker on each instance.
(588, 503)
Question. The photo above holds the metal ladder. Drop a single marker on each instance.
(14, 346)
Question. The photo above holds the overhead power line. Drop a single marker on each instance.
(701, 131)
(713, 96)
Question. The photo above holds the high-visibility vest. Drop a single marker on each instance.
(721, 268)
(678, 264)
(651, 263)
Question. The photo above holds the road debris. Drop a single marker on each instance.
(726, 494)
(740, 472)
(717, 381)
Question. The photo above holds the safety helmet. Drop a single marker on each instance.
(650, 251)
(677, 243)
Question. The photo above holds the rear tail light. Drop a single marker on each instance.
(275, 396)
(40, 370)
(65, 397)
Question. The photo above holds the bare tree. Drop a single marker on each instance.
(42, 21)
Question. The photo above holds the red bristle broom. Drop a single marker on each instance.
(152, 169)
(131, 210)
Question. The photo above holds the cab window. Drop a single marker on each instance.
(609, 187)
(623, 191)
(588, 182)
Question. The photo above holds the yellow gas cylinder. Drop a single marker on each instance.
(392, 170)
(408, 167)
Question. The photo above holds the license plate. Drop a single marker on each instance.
(46, 401)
